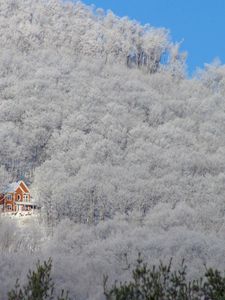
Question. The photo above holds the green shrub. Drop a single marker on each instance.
(40, 285)
(162, 283)
(147, 283)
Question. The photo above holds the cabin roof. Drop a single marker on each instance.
(12, 187)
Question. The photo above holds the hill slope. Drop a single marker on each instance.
(95, 116)
(106, 134)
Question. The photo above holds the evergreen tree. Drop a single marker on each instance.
(40, 285)
(163, 283)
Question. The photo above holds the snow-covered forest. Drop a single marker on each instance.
(122, 150)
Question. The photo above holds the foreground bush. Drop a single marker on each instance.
(147, 283)
(40, 285)
(162, 283)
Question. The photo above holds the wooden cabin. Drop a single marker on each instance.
(16, 197)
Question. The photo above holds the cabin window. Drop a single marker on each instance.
(18, 197)
(25, 198)
(9, 197)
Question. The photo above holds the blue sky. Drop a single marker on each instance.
(200, 24)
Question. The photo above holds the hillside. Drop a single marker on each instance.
(122, 150)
